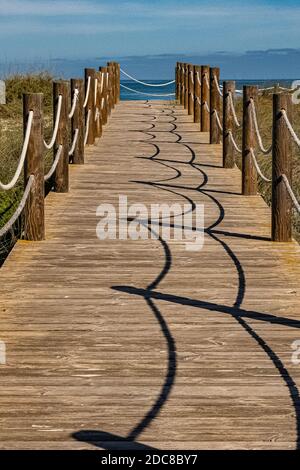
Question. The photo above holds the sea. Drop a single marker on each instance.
(143, 92)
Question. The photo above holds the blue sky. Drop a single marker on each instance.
(92, 28)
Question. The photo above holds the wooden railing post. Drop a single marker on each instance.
(282, 165)
(118, 80)
(78, 121)
(61, 175)
(177, 82)
(98, 106)
(186, 86)
(197, 94)
(249, 173)
(228, 125)
(111, 70)
(104, 110)
(182, 82)
(215, 106)
(191, 89)
(34, 217)
(90, 105)
(205, 118)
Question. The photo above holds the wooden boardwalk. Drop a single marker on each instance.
(120, 344)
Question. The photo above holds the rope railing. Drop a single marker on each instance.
(56, 125)
(87, 95)
(146, 94)
(73, 146)
(55, 163)
(145, 83)
(264, 150)
(263, 177)
(291, 193)
(290, 127)
(206, 93)
(218, 86)
(32, 155)
(74, 103)
(87, 127)
(9, 225)
(218, 121)
(13, 181)
(231, 103)
(234, 143)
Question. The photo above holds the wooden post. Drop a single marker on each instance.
(249, 174)
(61, 175)
(228, 125)
(118, 79)
(182, 82)
(111, 70)
(191, 90)
(90, 105)
(186, 86)
(98, 106)
(205, 118)
(104, 96)
(34, 216)
(197, 94)
(78, 121)
(215, 106)
(177, 80)
(282, 165)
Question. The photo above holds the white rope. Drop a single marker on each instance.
(147, 94)
(267, 89)
(218, 120)
(102, 83)
(291, 193)
(88, 87)
(198, 100)
(75, 138)
(19, 209)
(198, 78)
(290, 127)
(102, 103)
(74, 104)
(234, 142)
(56, 125)
(97, 114)
(192, 77)
(55, 163)
(206, 106)
(206, 80)
(96, 91)
(87, 127)
(257, 167)
(258, 135)
(16, 176)
(218, 86)
(231, 104)
(147, 84)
